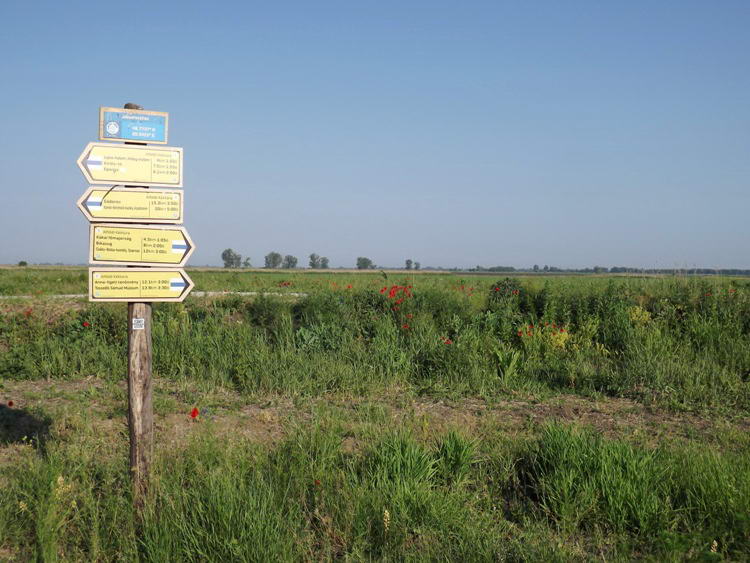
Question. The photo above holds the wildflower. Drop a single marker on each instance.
(85, 324)
(384, 289)
(22, 506)
(405, 326)
(497, 289)
(10, 404)
(27, 313)
(349, 286)
(714, 546)
(409, 316)
(394, 308)
(194, 413)
(520, 333)
(531, 326)
(399, 301)
(386, 520)
(448, 341)
(708, 294)
(317, 482)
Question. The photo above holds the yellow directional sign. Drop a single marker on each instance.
(139, 284)
(105, 163)
(132, 205)
(148, 245)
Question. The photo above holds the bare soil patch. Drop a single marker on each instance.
(268, 419)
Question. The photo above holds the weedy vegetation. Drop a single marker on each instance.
(394, 440)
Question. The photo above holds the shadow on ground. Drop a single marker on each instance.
(19, 425)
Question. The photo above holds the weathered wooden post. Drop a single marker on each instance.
(140, 404)
(123, 232)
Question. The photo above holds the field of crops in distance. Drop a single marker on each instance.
(383, 415)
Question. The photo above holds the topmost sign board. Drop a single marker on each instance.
(116, 124)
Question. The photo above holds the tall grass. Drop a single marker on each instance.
(564, 494)
(681, 343)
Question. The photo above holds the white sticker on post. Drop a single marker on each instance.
(139, 324)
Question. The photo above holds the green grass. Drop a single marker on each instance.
(680, 343)
(345, 474)
(561, 494)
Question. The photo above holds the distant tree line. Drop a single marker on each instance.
(233, 259)
(613, 270)
(274, 260)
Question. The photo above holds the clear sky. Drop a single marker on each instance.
(454, 133)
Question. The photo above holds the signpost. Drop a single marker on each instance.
(139, 284)
(108, 163)
(116, 124)
(132, 205)
(132, 170)
(139, 245)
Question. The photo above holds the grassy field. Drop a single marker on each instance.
(384, 416)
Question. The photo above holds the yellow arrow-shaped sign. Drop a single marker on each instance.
(147, 245)
(105, 163)
(139, 284)
(132, 205)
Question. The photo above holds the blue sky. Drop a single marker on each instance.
(453, 133)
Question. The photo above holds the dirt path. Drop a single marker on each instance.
(57, 408)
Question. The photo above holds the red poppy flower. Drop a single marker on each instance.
(194, 413)
(399, 301)
(497, 289)
(405, 327)
(349, 286)
(394, 308)
(384, 289)
(317, 482)
(27, 313)
(520, 333)
(86, 324)
(10, 403)
(409, 316)
(448, 341)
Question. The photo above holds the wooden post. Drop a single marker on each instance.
(140, 405)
